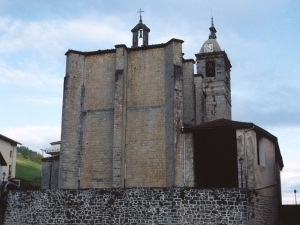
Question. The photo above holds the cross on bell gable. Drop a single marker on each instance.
(142, 29)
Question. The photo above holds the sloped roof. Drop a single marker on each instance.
(9, 140)
(51, 158)
(55, 143)
(225, 123)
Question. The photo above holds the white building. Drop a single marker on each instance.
(8, 149)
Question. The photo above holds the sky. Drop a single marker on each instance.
(261, 39)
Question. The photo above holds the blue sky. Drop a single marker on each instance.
(261, 39)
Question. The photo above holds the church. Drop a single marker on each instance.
(140, 116)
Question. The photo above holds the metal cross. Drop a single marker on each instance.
(140, 12)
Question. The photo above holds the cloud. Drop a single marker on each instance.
(45, 100)
(34, 77)
(34, 137)
(52, 36)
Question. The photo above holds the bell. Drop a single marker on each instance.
(141, 33)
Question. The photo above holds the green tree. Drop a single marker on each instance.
(25, 152)
(37, 158)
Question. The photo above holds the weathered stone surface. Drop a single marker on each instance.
(123, 111)
(217, 100)
(140, 206)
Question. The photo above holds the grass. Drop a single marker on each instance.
(28, 172)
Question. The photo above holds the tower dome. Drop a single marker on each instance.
(211, 45)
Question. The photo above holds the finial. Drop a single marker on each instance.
(140, 12)
(213, 30)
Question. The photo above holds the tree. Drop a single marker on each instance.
(37, 158)
(25, 152)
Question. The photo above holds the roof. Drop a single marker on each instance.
(48, 159)
(55, 143)
(219, 123)
(9, 140)
(225, 123)
(2, 160)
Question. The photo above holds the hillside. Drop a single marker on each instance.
(28, 172)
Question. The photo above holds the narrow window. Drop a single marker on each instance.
(210, 69)
(9, 170)
(10, 154)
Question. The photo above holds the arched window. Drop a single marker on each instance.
(210, 69)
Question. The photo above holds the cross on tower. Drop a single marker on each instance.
(140, 12)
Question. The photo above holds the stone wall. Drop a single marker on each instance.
(123, 110)
(140, 206)
(261, 210)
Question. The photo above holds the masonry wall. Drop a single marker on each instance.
(145, 132)
(123, 110)
(70, 135)
(262, 210)
(97, 122)
(140, 206)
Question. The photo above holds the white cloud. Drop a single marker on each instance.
(54, 36)
(32, 77)
(45, 100)
(34, 137)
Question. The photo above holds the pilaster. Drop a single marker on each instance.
(119, 167)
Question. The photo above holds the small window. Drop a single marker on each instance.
(10, 154)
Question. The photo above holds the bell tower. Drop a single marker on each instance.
(214, 67)
(140, 31)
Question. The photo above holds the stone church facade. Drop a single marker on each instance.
(140, 117)
(123, 110)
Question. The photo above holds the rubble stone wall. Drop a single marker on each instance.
(140, 206)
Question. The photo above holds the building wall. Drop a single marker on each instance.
(46, 179)
(123, 111)
(97, 122)
(55, 147)
(258, 177)
(199, 99)
(70, 135)
(140, 206)
(145, 133)
(9, 151)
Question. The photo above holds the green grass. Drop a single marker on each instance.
(28, 172)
